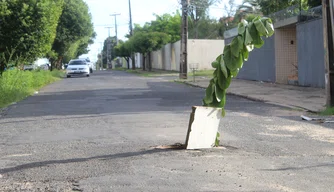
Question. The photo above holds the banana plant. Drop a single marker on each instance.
(228, 64)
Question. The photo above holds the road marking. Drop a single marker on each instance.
(17, 155)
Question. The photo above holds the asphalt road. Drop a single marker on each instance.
(100, 133)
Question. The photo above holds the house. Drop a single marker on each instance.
(293, 55)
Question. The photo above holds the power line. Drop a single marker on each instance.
(115, 15)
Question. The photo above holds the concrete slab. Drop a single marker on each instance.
(203, 127)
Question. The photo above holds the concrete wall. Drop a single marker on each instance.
(310, 50)
(175, 57)
(286, 54)
(261, 62)
(203, 52)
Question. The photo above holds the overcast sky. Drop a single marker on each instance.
(142, 11)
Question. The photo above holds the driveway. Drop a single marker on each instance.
(100, 134)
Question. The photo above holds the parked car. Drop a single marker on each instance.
(77, 67)
(90, 64)
(29, 67)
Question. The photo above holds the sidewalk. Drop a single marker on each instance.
(310, 99)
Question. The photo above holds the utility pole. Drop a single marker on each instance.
(184, 41)
(115, 15)
(131, 33)
(108, 47)
(327, 16)
(101, 67)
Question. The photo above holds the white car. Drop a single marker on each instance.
(77, 67)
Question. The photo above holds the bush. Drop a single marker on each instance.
(15, 84)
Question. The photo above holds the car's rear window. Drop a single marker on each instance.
(76, 63)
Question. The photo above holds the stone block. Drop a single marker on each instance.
(203, 127)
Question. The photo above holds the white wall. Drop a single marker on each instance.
(203, 52)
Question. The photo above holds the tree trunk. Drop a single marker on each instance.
(59, 63)
(128, 62)
(133, 62)
(149, 62)
(144, 67)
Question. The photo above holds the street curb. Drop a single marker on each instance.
(3, 111)
(254, 99)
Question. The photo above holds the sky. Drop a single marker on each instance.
(142, 12)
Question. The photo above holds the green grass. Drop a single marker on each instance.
(328, 111)
(147, 73)
(205, 73)
(199, 73)
(16, 85)
(120, 69)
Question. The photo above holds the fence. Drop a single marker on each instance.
(203, 52)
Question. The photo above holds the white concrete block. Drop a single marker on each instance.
(203, 127)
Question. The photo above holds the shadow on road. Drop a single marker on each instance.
(78, 160)
(301, 168)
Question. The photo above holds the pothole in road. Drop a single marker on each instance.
(176, 146)
(180, 146)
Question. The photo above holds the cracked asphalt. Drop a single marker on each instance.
(100, 133)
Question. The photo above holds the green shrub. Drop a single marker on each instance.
(15, 85)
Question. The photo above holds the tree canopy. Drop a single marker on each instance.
(146, 42)
(30, 29)
(123, 49)
(74, 31)
(169, 24)
(111, 55)
(27, 29)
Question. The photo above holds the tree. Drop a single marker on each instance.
(249, 7)
(269, 6)
(198, 11)
(75, 27)
(166, 23)
(123, 49)
(207, 29)
(146, 42)
(228, 64)
(111, 56)
(27, 29)
(169, 24)
(84, 43)
(314, 3)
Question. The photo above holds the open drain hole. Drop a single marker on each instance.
(176, 146)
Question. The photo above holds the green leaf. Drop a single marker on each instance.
(223, 67)
(220, 93)
(241, 28)
(248, 37)
(250, 48)
(257, 40)
(216, 103)
(236, 45)
(234, 73)
(270, 27)
(217, 140)
(223, 112)
(245, 53)
(261, 28)
(232, 63)
(223, 82)
(215, 79)
(209, 91)
(215, 73)
(215, 64)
